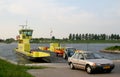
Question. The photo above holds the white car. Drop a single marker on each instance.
(90, 62)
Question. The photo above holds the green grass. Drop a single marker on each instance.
(113, 48)
(10, 70)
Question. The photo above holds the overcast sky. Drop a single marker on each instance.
(61, 16)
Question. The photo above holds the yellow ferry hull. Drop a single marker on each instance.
(34, 54)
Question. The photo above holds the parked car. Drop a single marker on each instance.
(90, 62)
(68, 52)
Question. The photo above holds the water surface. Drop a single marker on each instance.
(7, 50)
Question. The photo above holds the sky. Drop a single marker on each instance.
(62, 17)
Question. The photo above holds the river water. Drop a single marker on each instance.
(7, 50)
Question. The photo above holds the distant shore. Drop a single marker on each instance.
(111, 51)
(68, 41)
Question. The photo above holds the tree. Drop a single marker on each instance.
(86, 36)
(90, 36)
(53, 38)
(80, 37)
(112, 36)
(70, 37)
(117, 37)
(96, 37)
(73, 37)
(9, 40)
(83, 37)
(77, 37)
(1, 40)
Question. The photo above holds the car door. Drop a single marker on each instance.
(81, 61)
(74, 60)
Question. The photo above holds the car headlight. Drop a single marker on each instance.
(96, 64)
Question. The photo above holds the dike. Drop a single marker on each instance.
(111, 51)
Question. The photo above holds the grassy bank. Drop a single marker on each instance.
(113, 48)
(10, 70)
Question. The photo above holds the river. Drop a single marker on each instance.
(7, 50)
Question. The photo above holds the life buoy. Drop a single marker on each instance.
(18, 37)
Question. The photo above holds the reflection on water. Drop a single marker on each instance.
(7, 50)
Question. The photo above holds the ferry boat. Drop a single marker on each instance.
(24, 47)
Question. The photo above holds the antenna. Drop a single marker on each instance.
(24, 26)
(26, 23)
(51, 32)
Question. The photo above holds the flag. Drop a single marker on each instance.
(51, 33)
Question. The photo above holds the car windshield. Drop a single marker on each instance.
(71, 50)
(92, 56)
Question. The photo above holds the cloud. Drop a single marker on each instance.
(47, 13)
(63, 17)
(2, 6)
(17, 9)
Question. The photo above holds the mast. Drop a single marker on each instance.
(24, 26)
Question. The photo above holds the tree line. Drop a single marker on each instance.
(70, 38)
(94, 37)
(8, 40)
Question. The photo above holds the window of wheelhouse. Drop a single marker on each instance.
(26, 32)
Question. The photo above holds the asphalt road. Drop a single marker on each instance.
(63, 70)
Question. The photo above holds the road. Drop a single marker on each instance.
(63, 70)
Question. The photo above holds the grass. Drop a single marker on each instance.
(113, 48)
(10, 70)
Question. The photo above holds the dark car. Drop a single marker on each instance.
(68, 52)
(90, 62)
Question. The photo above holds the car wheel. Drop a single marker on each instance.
(72, 66)
(88, 69)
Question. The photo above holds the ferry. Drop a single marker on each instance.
(24, 47)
